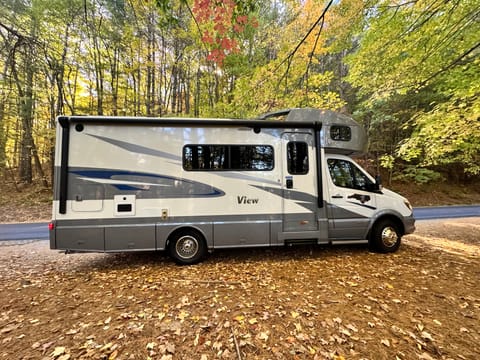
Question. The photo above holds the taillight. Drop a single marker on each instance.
(51, 226)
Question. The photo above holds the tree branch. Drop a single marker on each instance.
(288, 59)
(449, 66)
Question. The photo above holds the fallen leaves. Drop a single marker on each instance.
(318, 303)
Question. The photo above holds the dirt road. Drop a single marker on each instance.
(422, 302)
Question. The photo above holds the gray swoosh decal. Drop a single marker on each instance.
(138, 149)
(303, 199)
(239, 176)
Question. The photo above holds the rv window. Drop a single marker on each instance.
(228, 157)
(341, 133)
(297, 157)
(346, 174)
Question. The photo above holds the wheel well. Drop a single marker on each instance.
(392, 218)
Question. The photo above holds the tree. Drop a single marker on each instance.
(410, 48)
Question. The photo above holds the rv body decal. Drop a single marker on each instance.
(244, 200)
(146, 185)
(137, 149)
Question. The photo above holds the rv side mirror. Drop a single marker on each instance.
(378, 183)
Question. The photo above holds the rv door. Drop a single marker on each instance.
(299, 182)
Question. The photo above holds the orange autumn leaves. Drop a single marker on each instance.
(221, 24)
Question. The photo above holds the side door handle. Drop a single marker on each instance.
(289, 182)
(337, 196)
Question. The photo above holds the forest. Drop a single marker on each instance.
(408, 70)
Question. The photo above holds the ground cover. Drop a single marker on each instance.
(422, 302)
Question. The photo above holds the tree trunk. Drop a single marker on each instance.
(25, 105)
(196, 99)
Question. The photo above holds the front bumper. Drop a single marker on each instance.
(409, 224)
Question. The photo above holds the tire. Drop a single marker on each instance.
(385, 236)
(187, 247)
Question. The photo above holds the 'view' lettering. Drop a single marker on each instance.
(245, 200)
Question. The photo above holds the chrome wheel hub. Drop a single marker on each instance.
(389, 236)
(186, 247)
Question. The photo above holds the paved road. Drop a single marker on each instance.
(39, 231)
(446, 212)
(24, 231)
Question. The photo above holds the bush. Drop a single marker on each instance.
(419, 175)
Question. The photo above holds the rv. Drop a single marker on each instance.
(189, 185)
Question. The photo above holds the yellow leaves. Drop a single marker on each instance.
(113, 355)
(294, 314)
(8, 328)
(426, 336)
(183, 315)
(263, 336)
(389, 286)
(217, 345)
(60, 353)
(307, 316)
(59, 350)
(239, 318)
(108, 347)
(298, 327)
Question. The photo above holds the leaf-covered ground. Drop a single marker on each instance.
(422, 302)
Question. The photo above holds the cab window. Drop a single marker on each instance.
(346, 174)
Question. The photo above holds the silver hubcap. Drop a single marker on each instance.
(186, 247)
(389, 236)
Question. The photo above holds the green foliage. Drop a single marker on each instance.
(418, 175)
(408, 71)
(417, 63)
(387, 161)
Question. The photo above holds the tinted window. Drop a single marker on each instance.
(227, 157)
(346, 174)
(341, 133)
(297, 157)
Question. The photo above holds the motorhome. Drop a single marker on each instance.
(189, 185)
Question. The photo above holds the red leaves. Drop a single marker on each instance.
(220, 25)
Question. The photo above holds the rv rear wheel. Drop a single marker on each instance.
(385, 236)
(187, 247)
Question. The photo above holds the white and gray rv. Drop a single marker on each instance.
(189, 185)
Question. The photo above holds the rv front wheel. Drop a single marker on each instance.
(385, 236)
(187, 247)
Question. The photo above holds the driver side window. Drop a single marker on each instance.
(346, 174)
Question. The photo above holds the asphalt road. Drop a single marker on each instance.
(39, 231)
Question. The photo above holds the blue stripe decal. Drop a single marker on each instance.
(146, 185)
